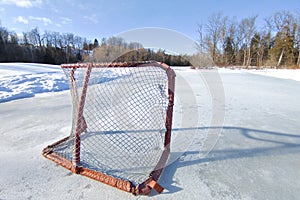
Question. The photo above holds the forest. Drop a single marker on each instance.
(227, 41)
(222, 41)
(56, 48)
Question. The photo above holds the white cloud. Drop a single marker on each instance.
(21, 19)
(45, 20)
(92, 18)
(2, 10)
(22, 3)
(65, 20)
(55, 10)
(83, 6)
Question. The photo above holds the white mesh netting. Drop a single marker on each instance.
(123, 122)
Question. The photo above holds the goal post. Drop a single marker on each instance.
(121, 123)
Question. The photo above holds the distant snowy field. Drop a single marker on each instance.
(252, 154)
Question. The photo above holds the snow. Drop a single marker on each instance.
(235, 136)
(279, 73)
(21, 80)
(292, 74)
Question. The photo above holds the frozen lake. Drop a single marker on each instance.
(254, 155)
(258, 151)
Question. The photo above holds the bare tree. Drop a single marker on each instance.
(215, 38)
(212, 38)
(297, 38)
(55, 39)
(134, 46)
(223, 36)
(25, 38)
(200, 43)
(247, 29)
(34, 37)
(3, 43)
(3, 35)
(48, 40)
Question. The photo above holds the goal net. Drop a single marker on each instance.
(121, 123)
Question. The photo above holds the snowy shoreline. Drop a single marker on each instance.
(23, 80)
(292, 74)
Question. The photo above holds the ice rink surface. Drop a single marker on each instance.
(254, 152)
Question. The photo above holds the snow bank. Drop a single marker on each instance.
(22, 80)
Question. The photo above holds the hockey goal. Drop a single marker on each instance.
(121, 124)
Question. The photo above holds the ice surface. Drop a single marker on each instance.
(256, 155)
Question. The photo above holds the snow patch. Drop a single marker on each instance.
(23, 80)
(22, 86)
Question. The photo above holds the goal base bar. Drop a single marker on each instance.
(140, 189)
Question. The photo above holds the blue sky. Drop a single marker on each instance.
(104, 18)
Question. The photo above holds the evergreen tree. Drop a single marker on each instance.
(96, 43)
(229, 51)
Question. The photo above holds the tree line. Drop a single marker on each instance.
(116, 49)
(32, 46)
(56, 48)
(227, 41)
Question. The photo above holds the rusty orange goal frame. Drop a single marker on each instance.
(151, 182)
